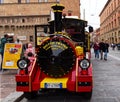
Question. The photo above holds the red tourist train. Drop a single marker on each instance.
(62, 58)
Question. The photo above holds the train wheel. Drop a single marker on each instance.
(30, 95)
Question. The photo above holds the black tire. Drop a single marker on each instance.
(87, 95)
(30, 95)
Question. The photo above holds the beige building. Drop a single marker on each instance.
(97, 34)
(110, 21)
(18, 17)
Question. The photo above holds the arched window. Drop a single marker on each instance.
(23, 20)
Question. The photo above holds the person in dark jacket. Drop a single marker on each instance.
(101, 48)
(3, 42)
(96, 49)
(106, 49)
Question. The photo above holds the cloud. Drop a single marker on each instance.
(92, 9)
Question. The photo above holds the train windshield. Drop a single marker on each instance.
(75, 28)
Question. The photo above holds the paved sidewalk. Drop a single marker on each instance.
(8, 86)
(7, 83)
(13, 97)
(114, 53)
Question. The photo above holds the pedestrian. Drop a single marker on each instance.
(2, 45)
(10, 39)
(29, 51)
(113, 46)
(96, 49)
(25, 46)
(106, 49)
(101, 48)
(18, 41)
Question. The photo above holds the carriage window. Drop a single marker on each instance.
(74, 26)
(76, 29)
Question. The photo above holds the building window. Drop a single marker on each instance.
(46, 0)
(119, 34)
(57, 0)
(23, 20)
(27, 1)
(5, 21)
(39, 0)
(19, 1)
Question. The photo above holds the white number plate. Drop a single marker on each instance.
(53, 85)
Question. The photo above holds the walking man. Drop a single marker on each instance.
(101, 48)
(106, 49)
(3, 42)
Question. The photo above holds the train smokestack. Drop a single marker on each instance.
(57, 9)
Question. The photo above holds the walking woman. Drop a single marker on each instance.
(96, 49)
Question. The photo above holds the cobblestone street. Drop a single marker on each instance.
(7, 80)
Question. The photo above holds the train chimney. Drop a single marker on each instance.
(57, 8)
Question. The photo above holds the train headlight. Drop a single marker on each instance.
(84, 63)
(23, 63)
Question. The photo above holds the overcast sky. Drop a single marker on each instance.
(92, 9)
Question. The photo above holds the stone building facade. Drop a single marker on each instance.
(18, 17)
(110, 22)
